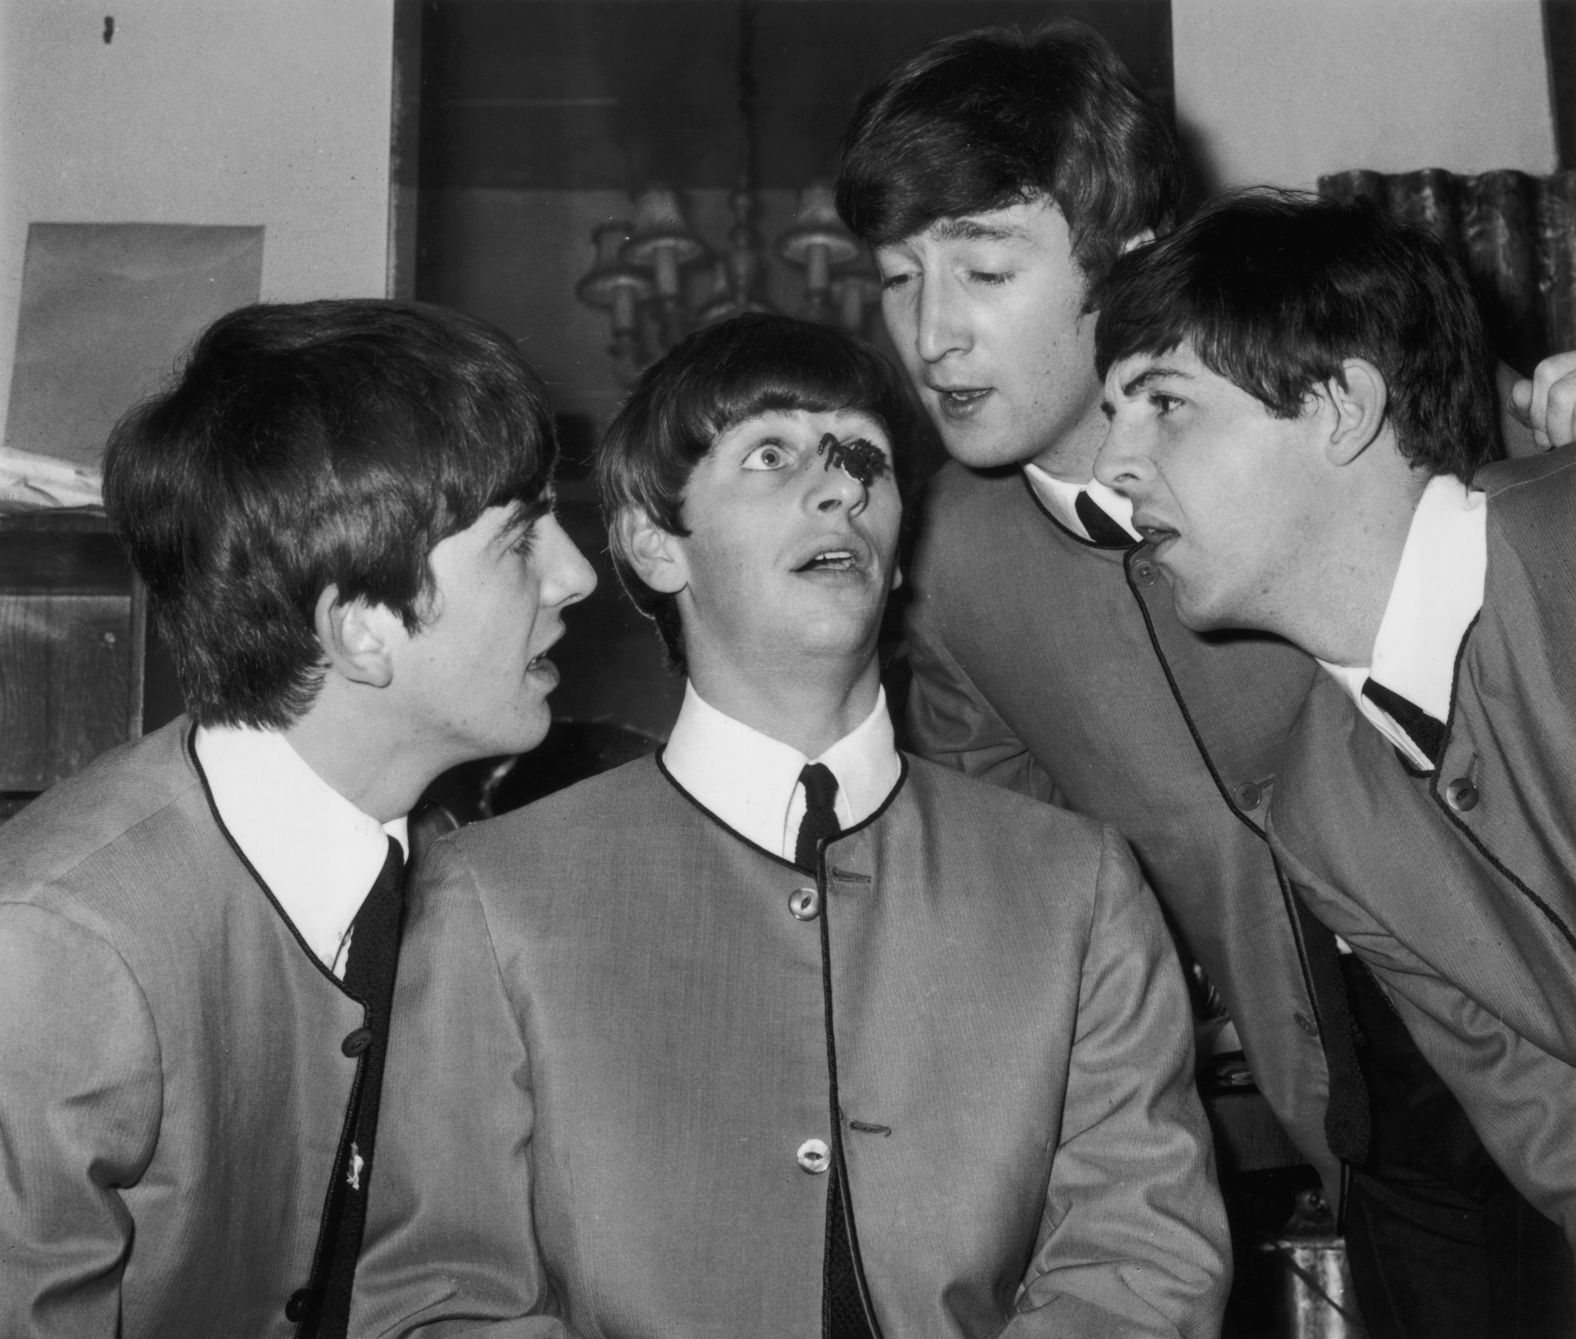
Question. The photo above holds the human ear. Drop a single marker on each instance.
(657, 555)
(1357, 409)
(357, 638)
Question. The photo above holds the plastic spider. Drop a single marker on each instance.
(861, 460)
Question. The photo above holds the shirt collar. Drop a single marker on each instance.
(1061, 498)
(318, 854)
(1437, 592)
(751, 781)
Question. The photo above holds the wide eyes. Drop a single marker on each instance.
(766, 456)
(861, 459)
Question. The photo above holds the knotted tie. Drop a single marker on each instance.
(819, 823)
(369, 975)
(1426, 732)
(842, 1310)
(1099, 526)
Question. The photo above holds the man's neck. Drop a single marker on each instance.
(1336, 615)
(373, 767)
(809, 707)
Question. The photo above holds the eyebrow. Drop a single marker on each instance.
(526, 514)
(1150, 374)
(972, 230)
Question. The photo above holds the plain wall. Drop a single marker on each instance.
(1281, 91)
(271, 112)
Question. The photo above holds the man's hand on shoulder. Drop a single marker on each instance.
(1547, 402)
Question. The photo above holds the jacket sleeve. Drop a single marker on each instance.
(1519, 1097)
(1134, 1240)
(950, 722)
(80, 1094)
(450, 1245)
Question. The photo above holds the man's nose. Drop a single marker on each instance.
(1123, 462)
(832, 487)
(942, 325)
(570, 577)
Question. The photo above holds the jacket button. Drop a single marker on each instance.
(804, 904)
(1144, 572)
(1461, 794)
(357, 1041)
(814, 1156)
(1305, 1023)
(295, 1308)
(1249, 795)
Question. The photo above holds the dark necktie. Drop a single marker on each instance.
(819, 823)
(842, 1309)
(1423, 730)
(1099, 526)
(369, 976)
(1348, 1116)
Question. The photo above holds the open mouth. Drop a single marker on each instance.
(831, 560)
(960, 397)
(540, 660)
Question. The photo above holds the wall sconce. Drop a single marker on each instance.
(639, 270)
(645, 273)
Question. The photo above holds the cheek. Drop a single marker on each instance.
(889, 526)
(897, 314)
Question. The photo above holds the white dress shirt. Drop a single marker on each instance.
(1060, 498)
(1437, 592)
(751, 781)
(317, 853)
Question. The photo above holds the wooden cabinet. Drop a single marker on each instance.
(72, 634)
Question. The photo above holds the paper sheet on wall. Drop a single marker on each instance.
(107, 310)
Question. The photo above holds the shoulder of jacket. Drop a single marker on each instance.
(997, 811)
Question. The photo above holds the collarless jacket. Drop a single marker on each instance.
(1459, 886)
(172, 1084)
(610, 1077)
(1057, 668)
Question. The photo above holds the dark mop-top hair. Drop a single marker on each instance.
(997, 117)
(1274, 290)
(713, 381)
(309, 445)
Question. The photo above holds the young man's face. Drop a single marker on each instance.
(789, 555)
(474, 676)
(986, 312)
(1223, 489)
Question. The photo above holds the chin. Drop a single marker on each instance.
(525, 737)
(983, 451)
(853, 640)
(1200, 616)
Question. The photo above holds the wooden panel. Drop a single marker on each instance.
(597, 94)
(71, 648)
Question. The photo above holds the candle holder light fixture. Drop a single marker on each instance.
(659, 279)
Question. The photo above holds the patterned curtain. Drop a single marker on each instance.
(1516, 235)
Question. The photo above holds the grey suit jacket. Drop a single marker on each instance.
(611, 1043)
(1058, 669)
(1459, 887)
(172, 1087)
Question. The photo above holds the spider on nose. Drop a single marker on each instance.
(862, 461)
